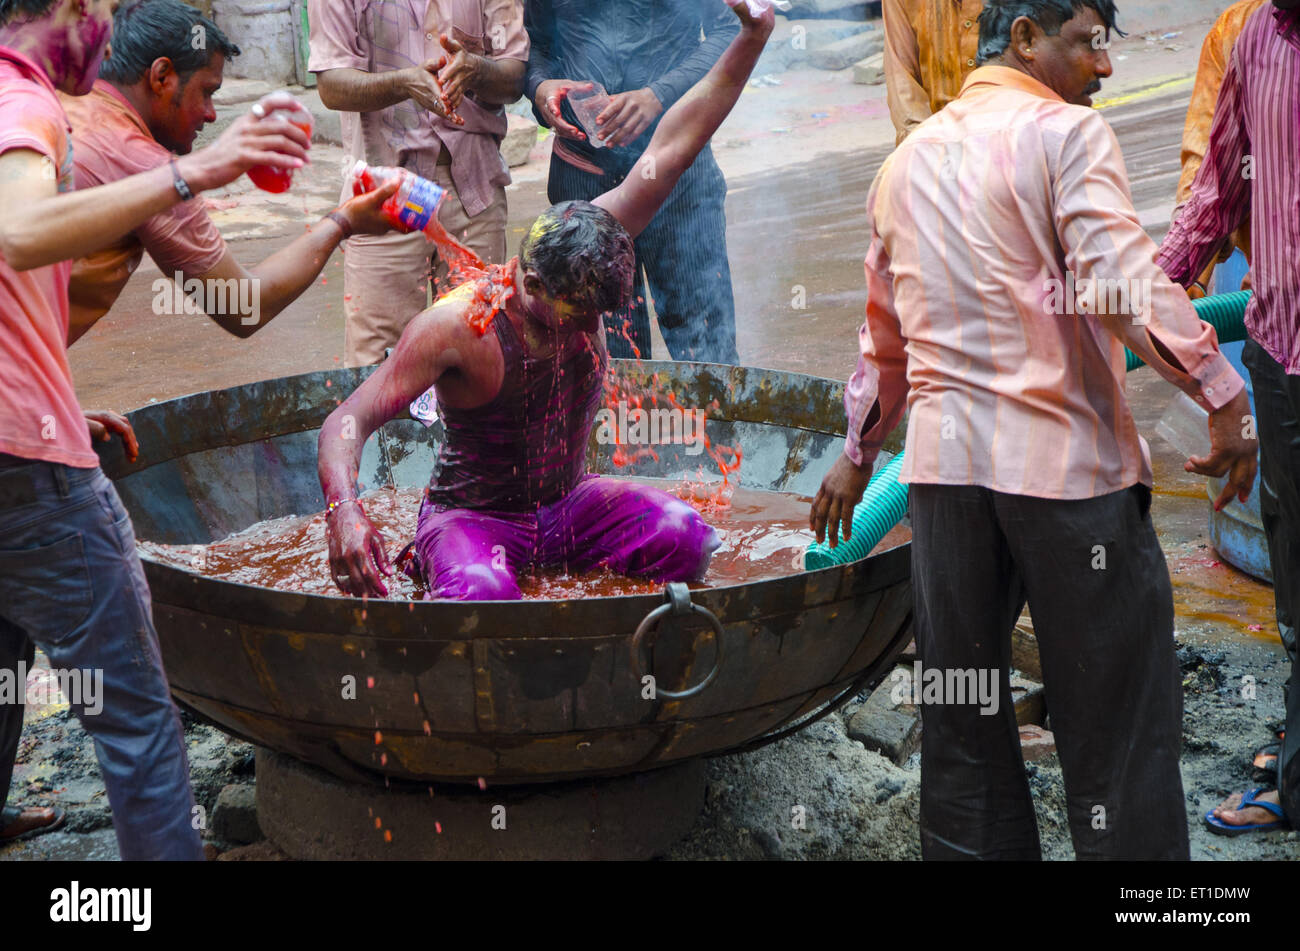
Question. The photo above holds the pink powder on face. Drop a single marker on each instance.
(93, 35)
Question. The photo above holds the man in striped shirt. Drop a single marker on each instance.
(1215, 53)
(1005, 274)
(1251, 171)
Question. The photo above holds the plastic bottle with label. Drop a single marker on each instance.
(415, 205)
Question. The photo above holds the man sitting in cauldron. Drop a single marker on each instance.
(511, 488)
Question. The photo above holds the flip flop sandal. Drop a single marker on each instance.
(12, 814)
(1219, 827)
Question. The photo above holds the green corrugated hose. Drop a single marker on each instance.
(885, 502)
(1224, 312)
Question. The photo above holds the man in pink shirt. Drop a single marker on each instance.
(152, 98)
(70, 578)
(413, 100)
(1005, 275)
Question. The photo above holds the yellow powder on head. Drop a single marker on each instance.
(458, 294)
(540, 228)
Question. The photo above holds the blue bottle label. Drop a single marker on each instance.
(420, 205)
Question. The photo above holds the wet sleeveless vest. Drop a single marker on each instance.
(528, 446)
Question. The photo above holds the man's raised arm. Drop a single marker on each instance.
(687, 127)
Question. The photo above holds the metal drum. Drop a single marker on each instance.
(507, 692)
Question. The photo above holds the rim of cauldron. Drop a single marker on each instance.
(456, 620)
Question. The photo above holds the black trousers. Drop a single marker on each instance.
(1096, 582)
(1277, 419)
(683, 252)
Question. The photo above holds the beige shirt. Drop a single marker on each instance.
(378, 36)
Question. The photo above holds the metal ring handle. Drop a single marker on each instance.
(677, 598)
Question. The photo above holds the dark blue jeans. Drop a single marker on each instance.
(72, 584)
(683, 252)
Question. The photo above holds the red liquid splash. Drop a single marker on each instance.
(704, 495)
(493, 284)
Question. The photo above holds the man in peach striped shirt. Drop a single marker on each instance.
(1005, 274)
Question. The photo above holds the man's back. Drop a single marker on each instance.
(993, 222)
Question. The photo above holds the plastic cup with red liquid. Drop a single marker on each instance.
(272, 179)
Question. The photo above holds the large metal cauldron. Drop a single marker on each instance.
(512, 692)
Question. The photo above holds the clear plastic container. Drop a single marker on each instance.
(587, 104)
(1186, 427)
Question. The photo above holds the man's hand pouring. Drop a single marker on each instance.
(841, 491)
(1232, 450)
(358, 560)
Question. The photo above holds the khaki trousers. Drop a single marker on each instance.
(386, 277)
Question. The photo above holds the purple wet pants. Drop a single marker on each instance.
(474, 555)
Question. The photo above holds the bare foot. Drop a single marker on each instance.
(1251, 815)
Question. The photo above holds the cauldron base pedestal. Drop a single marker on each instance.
(313, 815)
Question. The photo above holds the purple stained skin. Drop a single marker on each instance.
(632, 529)
(94, 36)
(528, 445)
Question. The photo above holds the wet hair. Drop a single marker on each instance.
(146, 30)
(27, 9)
(582, 255)
(1050, 15)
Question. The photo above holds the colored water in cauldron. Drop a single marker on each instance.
(763, 534)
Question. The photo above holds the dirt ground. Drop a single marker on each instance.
(799, 157)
